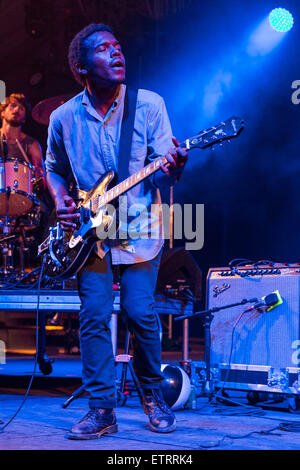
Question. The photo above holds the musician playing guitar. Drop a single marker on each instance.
(83, 143)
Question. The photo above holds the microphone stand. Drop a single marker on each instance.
(207, 316)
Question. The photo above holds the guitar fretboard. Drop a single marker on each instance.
(202, 140)
(127, 184)
(207, 138)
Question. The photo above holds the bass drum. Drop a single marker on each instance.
(16, 187)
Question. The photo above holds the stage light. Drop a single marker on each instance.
(281, 20)
(269, 33)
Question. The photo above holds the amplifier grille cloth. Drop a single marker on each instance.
(260, 338)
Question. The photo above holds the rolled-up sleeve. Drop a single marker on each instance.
(57, 160)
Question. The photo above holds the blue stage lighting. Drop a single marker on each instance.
(281, 20)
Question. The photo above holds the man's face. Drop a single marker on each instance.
(14, 113)
(105, 62)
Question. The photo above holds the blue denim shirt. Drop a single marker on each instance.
(83, 143)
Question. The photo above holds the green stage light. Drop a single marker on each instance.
(281, 20)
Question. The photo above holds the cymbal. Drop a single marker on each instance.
(42, 110)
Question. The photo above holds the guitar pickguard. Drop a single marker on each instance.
(89, 201)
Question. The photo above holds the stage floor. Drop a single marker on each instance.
(42, 423)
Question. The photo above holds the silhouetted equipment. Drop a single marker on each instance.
(178, 270)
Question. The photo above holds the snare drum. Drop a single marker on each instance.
(16, 187)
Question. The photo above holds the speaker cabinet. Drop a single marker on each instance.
(251, 337)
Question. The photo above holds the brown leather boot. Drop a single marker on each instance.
(94, 424)
(161, 418)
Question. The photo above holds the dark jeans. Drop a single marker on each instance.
(138, 283)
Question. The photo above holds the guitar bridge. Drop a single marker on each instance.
(56, 234)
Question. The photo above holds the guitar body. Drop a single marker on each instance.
(69, 250)
(70, 260)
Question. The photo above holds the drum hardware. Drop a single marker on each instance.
(3, 172)
(20, 210)
(6, 247)
(16, 239)
(9, 237)
(21, 250)
(17, 179)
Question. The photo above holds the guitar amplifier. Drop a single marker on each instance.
(254, 348)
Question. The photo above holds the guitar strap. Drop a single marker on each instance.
(126, 133)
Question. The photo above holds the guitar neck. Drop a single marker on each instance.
(207, 138)
(136, 178)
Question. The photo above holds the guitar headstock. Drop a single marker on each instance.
(226, 130)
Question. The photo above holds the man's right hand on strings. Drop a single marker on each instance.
(67, 213)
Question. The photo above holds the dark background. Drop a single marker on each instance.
(195, 54)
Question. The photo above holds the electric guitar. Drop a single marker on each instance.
(67, 251)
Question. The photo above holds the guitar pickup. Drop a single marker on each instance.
(85, 215)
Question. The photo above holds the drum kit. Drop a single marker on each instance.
(20, 204)
(19, 213)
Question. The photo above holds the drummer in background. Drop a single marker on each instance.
(14, 112)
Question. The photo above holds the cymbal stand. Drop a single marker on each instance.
(4, 151)
(21, 250)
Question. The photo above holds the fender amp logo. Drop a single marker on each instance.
(218, 290)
